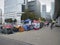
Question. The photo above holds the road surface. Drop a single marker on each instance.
(44, 36)
(6, 41)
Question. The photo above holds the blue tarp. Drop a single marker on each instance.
(27, 20)
(25, 27)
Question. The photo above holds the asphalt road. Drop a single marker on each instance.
(44, 36)
(6, 41)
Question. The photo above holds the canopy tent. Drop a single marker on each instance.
(35, 21)
(27, 20)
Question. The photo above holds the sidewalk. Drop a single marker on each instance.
(44, 36)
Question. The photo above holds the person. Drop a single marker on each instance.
(52, 24)
(47, 24)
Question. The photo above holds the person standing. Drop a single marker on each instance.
(52, 24)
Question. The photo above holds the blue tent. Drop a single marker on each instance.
(27, 20)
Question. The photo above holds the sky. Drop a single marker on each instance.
(2, 5)
(47, 2)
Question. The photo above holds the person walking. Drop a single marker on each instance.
(52, 24)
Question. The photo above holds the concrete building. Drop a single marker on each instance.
(57, 9)
(34, 6)
(48, 16)
(14, 9)
(57, 12)
(52, 9)
(0, 16)
(43, 11)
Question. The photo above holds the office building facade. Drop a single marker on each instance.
(57, 9)
(0, 16)
(52, 9)
(43, 13)
(34, 6)
(48, 16)
(57, 12)
(14, 9)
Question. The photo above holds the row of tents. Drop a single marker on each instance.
(27, 25)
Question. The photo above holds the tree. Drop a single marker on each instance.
(42, 19)
(8, 20)
(30, 15)
(14, 20)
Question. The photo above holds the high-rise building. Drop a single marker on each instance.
(52, 9)
(0, 16)
(34, 6)
(57, 12)
(14, 9)
(57, 9)
(43, 11)
(48, 16)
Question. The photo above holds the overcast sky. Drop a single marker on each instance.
(2, 4)
(47, 2)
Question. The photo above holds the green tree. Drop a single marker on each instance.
(43, 19)
(14, 20)
(30, 15)
(8, 20)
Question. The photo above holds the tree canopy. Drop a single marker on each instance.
(30, 15)
(10, 20)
